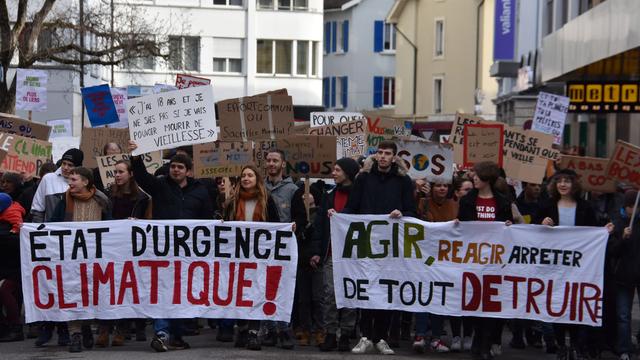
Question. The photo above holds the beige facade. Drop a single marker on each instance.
(457, 65)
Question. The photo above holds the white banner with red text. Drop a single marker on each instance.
(483, 269)
(158, 269)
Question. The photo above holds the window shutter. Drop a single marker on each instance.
(325, 92)
(345, 35)
(334, 36)
(333, 92)
(377, 91)
(327, 37)
(378, 31)
(345, 96)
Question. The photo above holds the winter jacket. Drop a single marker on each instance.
(100, 197)
(527, 209)
(170, 201)
(9, 253)
(376, 192)
(282, 194)
(13, 215)
(321, 238)
(140, 205)
(467, 207)
(272, 211)
(624, 254)
(46, 195)
(585, 215)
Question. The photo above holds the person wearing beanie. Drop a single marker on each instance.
(11, 212)
(344, 174)
(53, 184)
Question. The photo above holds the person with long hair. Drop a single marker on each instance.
(250, 201)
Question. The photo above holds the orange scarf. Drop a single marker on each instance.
(70, 201)
(245, 195)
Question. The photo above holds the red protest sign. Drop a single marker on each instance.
(624, 164)
(184, 81)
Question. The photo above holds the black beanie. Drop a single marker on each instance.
(349, 166)
(73, 155)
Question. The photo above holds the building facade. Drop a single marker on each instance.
(359, 56)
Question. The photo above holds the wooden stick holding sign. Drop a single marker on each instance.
(635, 211)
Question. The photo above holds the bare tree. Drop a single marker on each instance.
(51, 30)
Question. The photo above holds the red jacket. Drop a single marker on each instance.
(13, 215)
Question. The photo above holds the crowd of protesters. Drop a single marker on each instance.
(378, 184)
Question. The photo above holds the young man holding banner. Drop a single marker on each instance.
(383, 187)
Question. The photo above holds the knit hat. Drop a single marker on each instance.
(630, 198)
(5, 201)
(74, 155)
(349, 166)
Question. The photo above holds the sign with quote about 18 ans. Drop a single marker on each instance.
(168, 120)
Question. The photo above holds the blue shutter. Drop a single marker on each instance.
(334, 36)
(325, 92)
(327, 38)
(378, 31)
(377, 91)
(345, 97)
(345, 35)
(333, 92)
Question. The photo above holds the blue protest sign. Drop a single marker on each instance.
(100, 107)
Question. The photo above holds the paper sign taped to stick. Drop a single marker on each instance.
(172, 119)
(456, 138)
(258, 117)
(100, 107)
(329, 118)
(427, 160)
(591, 172)
(24, 155)
(120, 97)
(107, 165)
(60, 128)
(13, 124)
(184, 81)
(221, 158)
(31, 90)
(158, 269)
(483, 269)
(308, 155)
(94, 139)
(483, 142)
(380, 129)
(624, 164)
(550, 115)
(60, 145)
(351, 137)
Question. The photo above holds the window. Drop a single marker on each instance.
(314, 58)
(265, 4)
(389, 37)
(219, 64)
(227, 65)
(227, 2)
(228, 54)
(341, 92)
(438, 50)
(276, 57)
(283, 56)
(437, 95)
(285, 5)
(389, 92)
(235, 65)
(184, 53)
(303, 58)
(549, 17)
(265, 57)
(45, 40)
(384, 36)
(326, 92)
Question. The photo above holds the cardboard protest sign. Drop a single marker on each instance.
(525, 154)
(172, 119)
(380, 129)
(94, 139)
(427, 160)
(184, 81)
(591, 172)
(308, 155)
(329, 118)
(100, 107)
(268, 116)
(107, 165)
(483, 142)
(24, 155)
(221, 158)
(550, 115)
(456, 138)
(482, 269)
(624, 164)
(31, 90)
(13, 124)
(351, 137)
(119, 96)
(300, 129)
(158, 269)
(60, 145)
(60, 128)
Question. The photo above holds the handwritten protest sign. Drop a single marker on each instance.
(184, 81)
(159, 271)
(380, 129)
(99, 103)
(550, 115)
(221, 158)
(624, 164)
(119, 96)
(351, 137)
(427, 160)
(525, 154)
(483, 142)
(12, 124)
(267, 116)
(60, 128)
(591, 172)
(60, 145)
(329, 118)
(107, 165)
(306, 155)
(31, 90)
(94, 139)
(24, 155)
(483, 269)
(172, 119)
(456, 138)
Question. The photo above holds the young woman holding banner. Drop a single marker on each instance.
(250, 202)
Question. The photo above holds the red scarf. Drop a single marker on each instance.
(245, 195)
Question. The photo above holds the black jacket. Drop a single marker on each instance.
(170, 201)
(467, 208)
(140, 204)
(585, 215)
(9, 253)
(375, 192)
(321, 238)
(624, 254)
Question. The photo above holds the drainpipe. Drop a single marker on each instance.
(415, 65)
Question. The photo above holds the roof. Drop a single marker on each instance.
(396, 11)
(334, 4)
